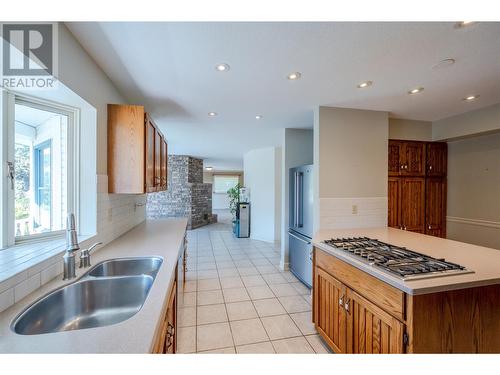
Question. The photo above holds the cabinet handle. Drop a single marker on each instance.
(346, 306)
(429, 226)
(404, 227)
(430, 167)
(341, 301)
(406, 166)
(402, 166)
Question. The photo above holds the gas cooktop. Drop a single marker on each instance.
(395, 260)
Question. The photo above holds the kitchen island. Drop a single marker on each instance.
(144, 332)
(358, 308)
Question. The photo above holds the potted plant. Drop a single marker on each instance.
(234, 199)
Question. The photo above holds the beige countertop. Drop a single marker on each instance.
(485, 262)
(162, 238)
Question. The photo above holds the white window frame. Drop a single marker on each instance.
(73, 165)
(216, 175)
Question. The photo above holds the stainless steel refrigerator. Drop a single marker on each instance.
(301, 223)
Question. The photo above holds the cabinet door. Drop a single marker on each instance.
(370, 329)
(413, 204)
(394, 202)
(150, 156)
(435, 206)
(164, 162)
(158, 149)
(329, 314)
(395, 157)
(414, 159)
(437, 159)
(170, 342)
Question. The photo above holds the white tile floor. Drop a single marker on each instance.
(236, 299)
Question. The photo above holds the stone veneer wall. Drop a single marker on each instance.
(186, 195)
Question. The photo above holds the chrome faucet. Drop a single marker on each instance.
(85, 255)
(71, 247)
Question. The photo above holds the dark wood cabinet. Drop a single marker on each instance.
(413, 204)
(406, 158)
(394, 202)
(416, 197)
(396, 150)
(135, 148)
(436, 159)
(435, 206)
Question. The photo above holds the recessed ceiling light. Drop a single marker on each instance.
(293, 76)
(365, 84)
(258, 117)
(212, 114)
(416, 90)
(222, 67)
(444, 63)
(470, 98)
(462, 24)
(209, 168)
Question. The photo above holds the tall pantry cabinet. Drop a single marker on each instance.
(417, 186)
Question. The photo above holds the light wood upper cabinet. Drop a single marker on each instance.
(135, 145)
(126, 153)
(158, 147)
(150, 156)
(164, 163)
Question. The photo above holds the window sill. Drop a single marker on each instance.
(30, 257)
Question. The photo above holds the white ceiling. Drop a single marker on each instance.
(170, 68)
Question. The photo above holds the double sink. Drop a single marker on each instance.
(110, 292)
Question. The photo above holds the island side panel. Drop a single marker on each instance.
(458, 321)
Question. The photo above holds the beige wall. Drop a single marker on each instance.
(474, 190)
(481, 121)
(410, 130)
(352, 152)
(81, 74)
(350, 163)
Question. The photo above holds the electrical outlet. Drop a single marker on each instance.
(354, 209)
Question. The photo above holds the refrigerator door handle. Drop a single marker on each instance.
(296, 200)
(300, 210)
(299, 238)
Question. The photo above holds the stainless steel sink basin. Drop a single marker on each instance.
(110, 292)
(87, 303)
(127, 267)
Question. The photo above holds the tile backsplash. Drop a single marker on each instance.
(338, 213)
(25, 268)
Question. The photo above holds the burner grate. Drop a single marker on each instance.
(396, 260)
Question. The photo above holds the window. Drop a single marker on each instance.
(41, 167)
(222, 183)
